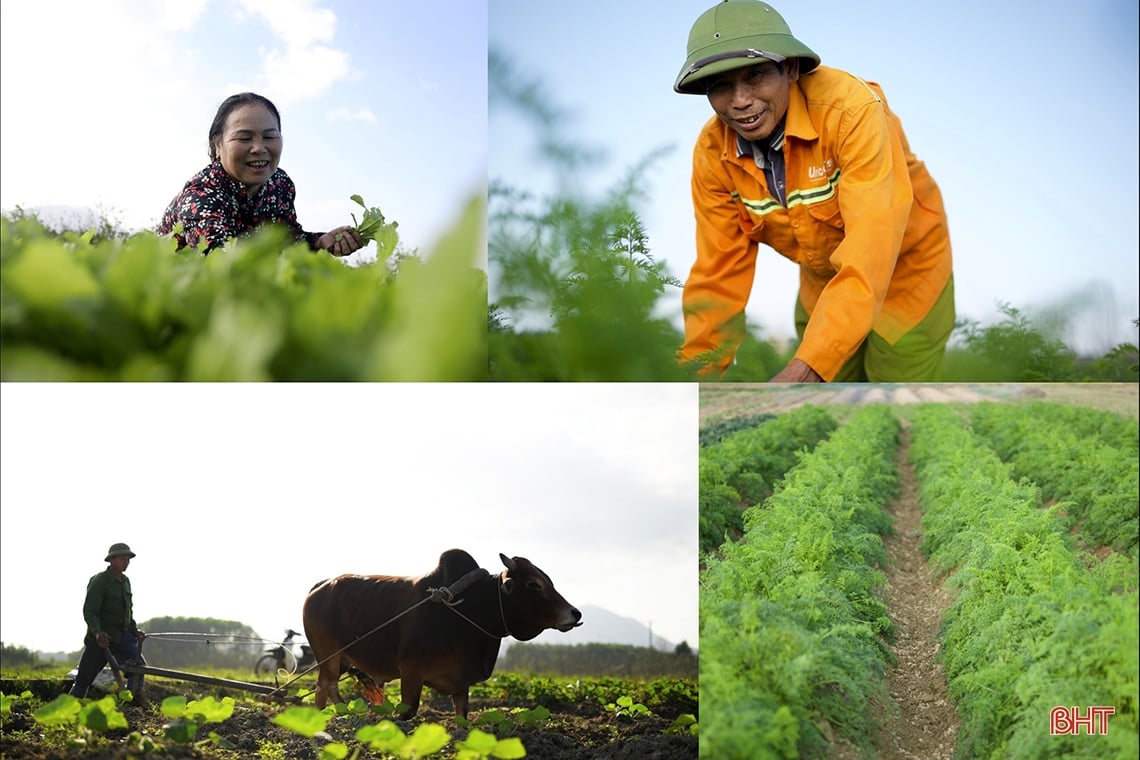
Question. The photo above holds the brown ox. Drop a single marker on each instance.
(357, 622)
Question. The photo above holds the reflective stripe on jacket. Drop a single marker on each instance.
(864, 221)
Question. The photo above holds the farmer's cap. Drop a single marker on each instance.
(117, 550)
(737, 33)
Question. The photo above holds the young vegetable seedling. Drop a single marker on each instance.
(373, 227)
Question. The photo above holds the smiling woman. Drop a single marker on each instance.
(243, 188)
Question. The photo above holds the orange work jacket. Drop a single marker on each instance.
(864, 221)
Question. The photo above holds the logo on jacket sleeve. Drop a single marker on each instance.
(821, 171)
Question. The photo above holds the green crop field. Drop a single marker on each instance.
(100, 306)
(512, 716)
(1024, 535)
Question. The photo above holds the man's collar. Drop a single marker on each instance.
(798, 121)
(774, 141)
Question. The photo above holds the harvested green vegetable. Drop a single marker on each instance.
(373, 227)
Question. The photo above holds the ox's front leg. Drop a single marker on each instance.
(459, 700)
(411, 689)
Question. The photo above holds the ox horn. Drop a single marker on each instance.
(510, 563)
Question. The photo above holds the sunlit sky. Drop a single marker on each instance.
(108, 105)
(1025, 114)
(237, 499)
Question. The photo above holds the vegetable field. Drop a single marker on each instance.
(512, 717)
(948, 572)
(94, 306)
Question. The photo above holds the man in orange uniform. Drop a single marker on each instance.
(810, 161)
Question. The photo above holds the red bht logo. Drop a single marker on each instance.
(1068, 720)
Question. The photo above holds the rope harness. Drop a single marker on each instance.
(445, 595)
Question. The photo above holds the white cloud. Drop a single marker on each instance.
(298, 73)
(298, 23)
(308, 65)
(174, 15)
(344, 113)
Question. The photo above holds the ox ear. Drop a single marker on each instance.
(511, 565)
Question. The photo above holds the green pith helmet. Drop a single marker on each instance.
(736, 33)
(117, 550)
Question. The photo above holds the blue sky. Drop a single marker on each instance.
(1025, 114)
(238, 498)
(107, 105)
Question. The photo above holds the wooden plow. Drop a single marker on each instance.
(276, 693)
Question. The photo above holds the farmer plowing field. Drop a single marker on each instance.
(811, 161)
(112, 634)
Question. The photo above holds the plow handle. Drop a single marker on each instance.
(116, 669)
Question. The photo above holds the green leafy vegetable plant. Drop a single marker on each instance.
(7, 701)
(187, 715)
(1034, 623)
(742, 468)
(373, 227)
(85, 720)
(425, 740)
(480, 745)
(685, 723)
(793, 625)
(625, 707)
(505, 722)
(265, 308)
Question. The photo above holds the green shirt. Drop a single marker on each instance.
(108, 605)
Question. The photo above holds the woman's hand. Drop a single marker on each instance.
(797, 371)
(341, 241)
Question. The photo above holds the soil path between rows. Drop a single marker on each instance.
(925, 725)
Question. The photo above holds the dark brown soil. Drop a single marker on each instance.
(574, 732)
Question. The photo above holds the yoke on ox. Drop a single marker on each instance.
(380, 625)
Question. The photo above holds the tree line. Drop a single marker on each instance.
(598, 659)
(193, 643)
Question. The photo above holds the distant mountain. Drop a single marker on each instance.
(602, 626)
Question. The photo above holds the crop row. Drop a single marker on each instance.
(792, 623)
(742, 469)
(1083, 456)
(1034, 625)
(1107, 427)
(721, 429)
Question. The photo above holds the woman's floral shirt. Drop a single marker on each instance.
(213, 207)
